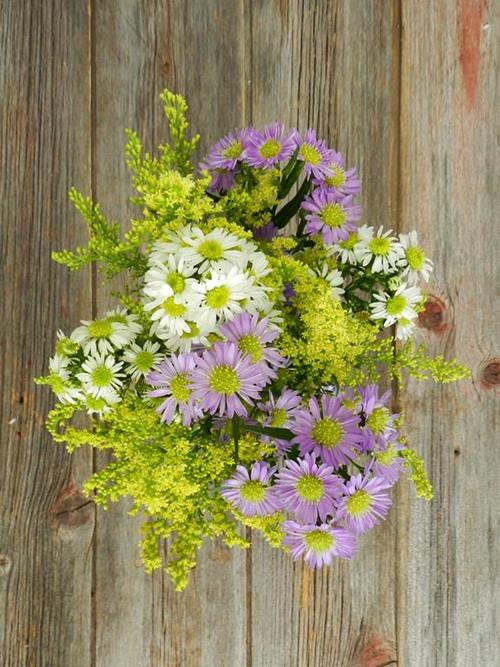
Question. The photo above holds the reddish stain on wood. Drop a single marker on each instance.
(470, 14)
(490, 375)
(433, 316)
(377, 652)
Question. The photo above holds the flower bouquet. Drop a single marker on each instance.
(238, 380)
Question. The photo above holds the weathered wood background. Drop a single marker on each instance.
(410, 91)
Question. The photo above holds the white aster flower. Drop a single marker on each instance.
(397, 307)
(171, 245)
(217, 249)
(101, 376)
(99, 406)
(185, 341)
(60, 380)
(405, 329)
(171, 315)
(116, 329)
(223, 295)
(348, 251)
(414, 261)
(173, 276)
(382, 248)
(140, 360)
(333, 277)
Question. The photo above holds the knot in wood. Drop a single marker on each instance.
(5, 565)
(491, 373)
(433, 316)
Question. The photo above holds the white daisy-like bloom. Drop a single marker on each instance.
(116, 329)
(399, 306)
(414, 262)
(223, 295)
(333, 277)
(140, 360)
(185, 341)
(102, 376)
(348, 251)
(65, 346)
(217, 249)
(171, 315)
(99, 406)
(60, 380)
(173, 276)
(254, 260)
(405, 329)
(382, 248)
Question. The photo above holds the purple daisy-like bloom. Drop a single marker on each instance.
(330, 214)
(266, 233)
(315, 154)
(307, 489)
(387, 464)
(224, 378)
(252, 493)
(318, 544)
(330, 431)
(379, 426)
(341, 180)
(252, 336)
(365, 504)
(173, 380)
(272, 145)
(228, 151)
(280, 413)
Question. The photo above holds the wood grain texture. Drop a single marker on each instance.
(305, 71)
(140, 49)
(448, 583)
(45, 524)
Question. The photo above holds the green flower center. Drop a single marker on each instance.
(310, 154)
(350, 241)
(95, 403)
(337, 178)
(253, 491)
(415, 258)
(279, 417)
(319, 541)
(327, 432)
(310, 488)
(57, 384)
(101, 376)
(176, 282)
(211, 249)
(100, 328)
(144, 360)
(251, 345)
(388, 457)
(378, 420)
(396, 304)
(120, 319)
(379, 246)
(193, 331)
(270, 148)
(218, 297)
(179, 388)
(172, 308)
(65, 347)
(333, 215)
(359, 503)
(224, 380)
(233, 150)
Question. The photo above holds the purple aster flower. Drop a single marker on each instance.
(289, 293)
(252, 335)
(280, 413)
(266, 233)
(223, 378)
(330, 214)
(228, 151)
(307, 489)
(252, 493)
(318, 544)
(365, 504)
(173, 380)
(315, 155)
(222, 180)
(388, 465)
(330, 432)
(271, 146)
(379, 426)
(341, 180)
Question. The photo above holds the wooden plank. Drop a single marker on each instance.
(45, 526)
(449, 551)
(140, 48)
(333, 66)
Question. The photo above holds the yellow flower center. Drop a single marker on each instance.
(310, 154)
(270, 148)
(176, 282)
(233, 150)
(310, 488)
(218, 297)
(333, 216)
(253, 491)
(251, 345)
(388, 457)
(337, 178)
(359, 503)
(379, 246)
(144, 360)
(211, 249)
(327, 432)
(173, 309)
(415, 258)
(100, 328)
(396, 304)
(179, 388)
(101, 376)
(319, 541)
(378, 420)
(279, 418)
(224, 380)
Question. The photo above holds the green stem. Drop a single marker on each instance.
(236, 437)
(271, 431)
